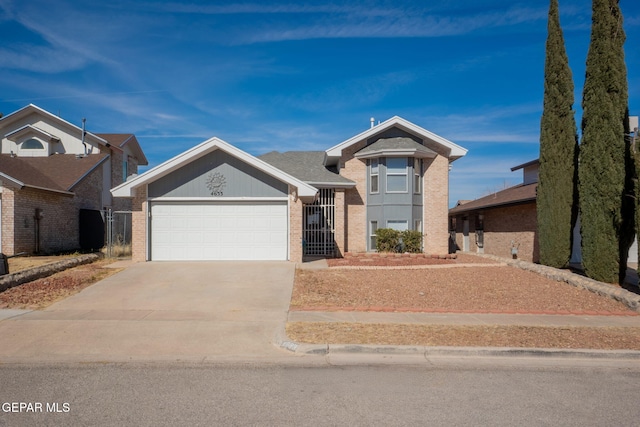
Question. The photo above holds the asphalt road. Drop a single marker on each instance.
(210, 395)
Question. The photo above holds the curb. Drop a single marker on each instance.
(354, 349)
(31, 274)
(301, 349)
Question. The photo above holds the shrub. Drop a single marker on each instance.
(412, 240)
(387, 239)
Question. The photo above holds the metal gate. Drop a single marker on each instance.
(319, 225)
(118, 233)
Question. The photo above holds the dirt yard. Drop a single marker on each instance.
(479, 289)
(41, 293)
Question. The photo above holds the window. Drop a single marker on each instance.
(373, 229)
(417, 171)
(417, 225)
(373, 175)
(125, 170)
(32, 144)
(398, 225)
(397, 175)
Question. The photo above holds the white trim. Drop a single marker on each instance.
(127, 189)
(408, 152)
(20, 133)
(217, 199)
(31, 108)
(455, 151)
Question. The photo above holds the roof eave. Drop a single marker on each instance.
(408, 152)
(455, 211)
(455, 151)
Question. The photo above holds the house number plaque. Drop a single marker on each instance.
(216, 183)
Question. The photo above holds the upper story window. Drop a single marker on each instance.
(125, 170)
(396, 175)
(374, 173)
(417, 175)
(32, 144)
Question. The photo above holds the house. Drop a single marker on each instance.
(216, 202)
(55, 178)
(503, 223)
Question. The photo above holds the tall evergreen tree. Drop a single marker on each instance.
(557, 185)
(602, 151)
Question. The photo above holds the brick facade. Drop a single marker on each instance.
(355, 200)
(504, 227)
(339, 225)
(139, 206)
(435, 205)
(295, 227)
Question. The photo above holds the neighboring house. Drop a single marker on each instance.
(217, 202)
(507, 221)
(503, 223)
(54, 176)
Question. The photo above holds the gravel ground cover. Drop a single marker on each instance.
(452, 286)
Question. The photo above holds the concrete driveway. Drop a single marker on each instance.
(195, 311)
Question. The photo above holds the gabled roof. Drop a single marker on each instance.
(30, 129)
(307, 166)
(29, 109)
(59, 172)
(454, 151)
(398, 147)
(511, 196)
(121, 139)
(127, 189)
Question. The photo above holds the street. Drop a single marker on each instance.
(276, 395)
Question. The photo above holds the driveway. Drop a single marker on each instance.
(195, 311)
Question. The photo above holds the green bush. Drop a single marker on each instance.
(412, 240)
(388, 240)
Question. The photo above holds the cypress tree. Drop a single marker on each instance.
(602, 150)
(557, 183)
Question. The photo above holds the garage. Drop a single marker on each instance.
(216, 202)
(219, 231)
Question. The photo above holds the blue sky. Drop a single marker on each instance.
(300, 75)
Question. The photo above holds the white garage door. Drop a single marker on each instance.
(191, 231)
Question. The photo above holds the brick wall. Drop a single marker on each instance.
(502, 226)
(435, 205)
(139, 206)
(295, 227)
(355, 211)
(58, 227)
(8, 218)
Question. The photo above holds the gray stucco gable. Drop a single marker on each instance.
(217, 174)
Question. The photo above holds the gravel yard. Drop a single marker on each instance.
(479, 288)
(467, 284)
